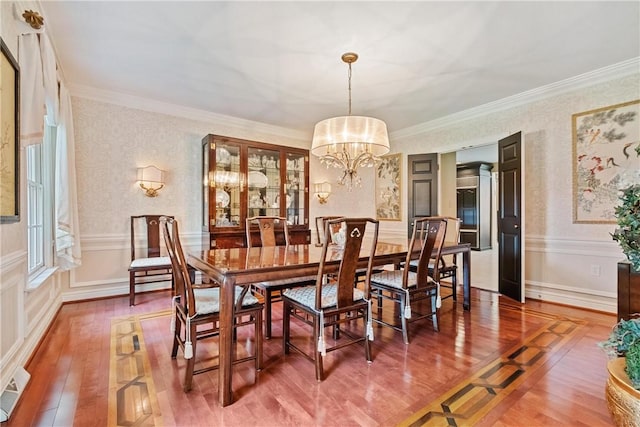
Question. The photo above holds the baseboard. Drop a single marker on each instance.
(577, 297)
(94, 292)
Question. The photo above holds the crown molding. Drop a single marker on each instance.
(154, 106)
(621, 69)
(611, 72)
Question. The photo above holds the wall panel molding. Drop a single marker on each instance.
(584, 247)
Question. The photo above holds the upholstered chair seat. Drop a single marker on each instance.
(307, 295)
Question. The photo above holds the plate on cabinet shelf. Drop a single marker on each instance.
(257, 179)
(255, 162)
(222, 199)
(223, 157)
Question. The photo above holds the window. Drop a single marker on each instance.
(40, 207)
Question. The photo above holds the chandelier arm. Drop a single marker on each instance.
(333, 160)
(362, 159)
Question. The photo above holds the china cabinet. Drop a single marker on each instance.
(242, 179)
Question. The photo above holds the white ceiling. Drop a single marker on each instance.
(279, 62)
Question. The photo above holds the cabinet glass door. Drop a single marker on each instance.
(226, 181)
(263, 182)
(295, 188)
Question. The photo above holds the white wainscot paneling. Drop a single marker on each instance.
(24, 315)
(42, 304)
(12, 279)
(105, 262)
(575, 272)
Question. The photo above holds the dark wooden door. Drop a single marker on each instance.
(510, 217)
(422, 179)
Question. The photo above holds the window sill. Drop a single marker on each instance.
(35, 281)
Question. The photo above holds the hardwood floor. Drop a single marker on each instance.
(70, 371)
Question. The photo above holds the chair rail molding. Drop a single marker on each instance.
(573, 246)
(12, 261)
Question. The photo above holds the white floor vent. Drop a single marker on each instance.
(12, 392)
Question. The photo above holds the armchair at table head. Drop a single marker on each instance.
(149, 263)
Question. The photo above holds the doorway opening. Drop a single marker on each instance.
(484, 263)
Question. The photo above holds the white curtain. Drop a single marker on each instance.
(41, 95)
(50, 79)
(68, 251)
(32, 108)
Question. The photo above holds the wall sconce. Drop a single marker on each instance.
(151, 179)
(322, 191)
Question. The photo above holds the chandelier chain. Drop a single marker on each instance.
(349, 88)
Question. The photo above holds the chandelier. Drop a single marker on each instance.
(349, 142)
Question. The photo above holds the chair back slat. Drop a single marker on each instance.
(151, 224)
(175, 264)
(181, 277)
(268, 227)
(428, 233)
(349, 249)
(153, 237)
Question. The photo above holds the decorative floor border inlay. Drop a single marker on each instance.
(132, 394)
(474, 397)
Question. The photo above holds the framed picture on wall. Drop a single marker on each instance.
(606, 154)
(388, 188)
(9, 137)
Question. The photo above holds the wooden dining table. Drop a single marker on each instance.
(243, 266)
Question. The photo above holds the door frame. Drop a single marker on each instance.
(493, 140)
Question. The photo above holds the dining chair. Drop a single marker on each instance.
(333, 300)
(196, 311)
(273, 230)
(409, 288)
(148, 264)
(448, 267)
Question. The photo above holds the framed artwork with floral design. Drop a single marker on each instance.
(388, 188)
(606, 158)
(9, 137)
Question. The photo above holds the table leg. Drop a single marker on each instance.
(466, 279)
(227, 297)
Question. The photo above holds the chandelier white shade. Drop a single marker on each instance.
(350, 142)
(349, 133)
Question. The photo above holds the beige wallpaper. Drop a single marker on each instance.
(112, 141)
(546, 129)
